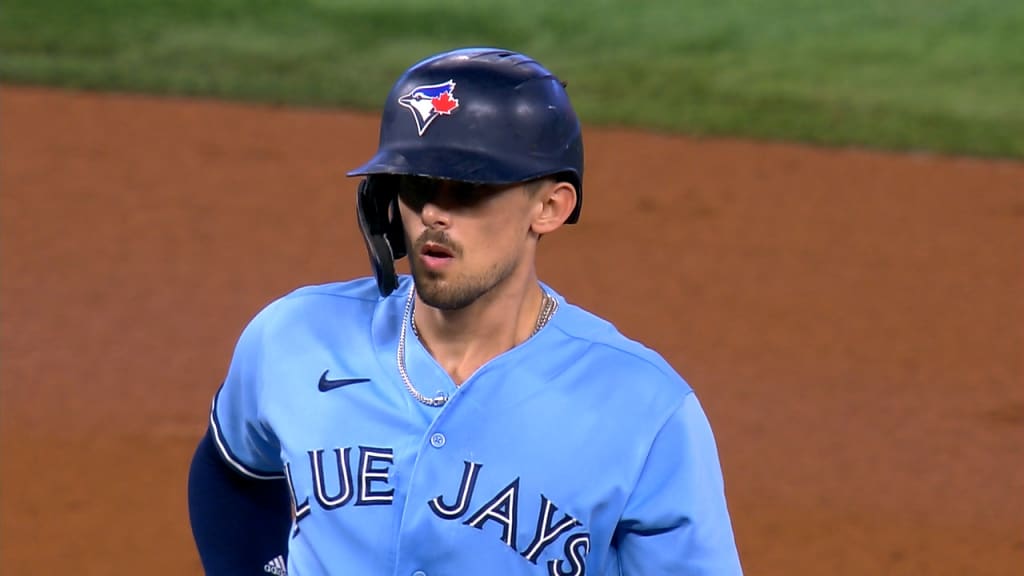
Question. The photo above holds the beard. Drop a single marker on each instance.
(454, 291)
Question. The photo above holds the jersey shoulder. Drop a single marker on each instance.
(618, 358)
(359, 289)
(351, 300)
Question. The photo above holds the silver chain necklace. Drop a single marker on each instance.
(547, 309)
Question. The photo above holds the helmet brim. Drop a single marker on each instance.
(450, 163)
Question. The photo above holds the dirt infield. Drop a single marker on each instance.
(853, 322)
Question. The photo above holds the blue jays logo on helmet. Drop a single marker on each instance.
(429, 102)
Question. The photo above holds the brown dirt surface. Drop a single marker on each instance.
(852, 321)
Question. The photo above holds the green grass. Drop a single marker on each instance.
(935, 75)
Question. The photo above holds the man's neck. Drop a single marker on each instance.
(464, 340)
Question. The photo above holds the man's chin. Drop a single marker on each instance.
(441, 294)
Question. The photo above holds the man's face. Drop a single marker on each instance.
(464, 239)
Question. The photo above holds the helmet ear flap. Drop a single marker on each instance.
(381, 227)
(396, 233)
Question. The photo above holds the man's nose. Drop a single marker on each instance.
(434, 214)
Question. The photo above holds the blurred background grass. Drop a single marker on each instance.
(927, 75)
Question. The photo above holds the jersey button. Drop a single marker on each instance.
(437, 440)
(419, 573)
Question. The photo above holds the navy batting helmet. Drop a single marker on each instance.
(478, 115)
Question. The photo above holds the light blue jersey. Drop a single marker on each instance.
(577, 452)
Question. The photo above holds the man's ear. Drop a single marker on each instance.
(557, 202)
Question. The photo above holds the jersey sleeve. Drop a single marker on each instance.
(676, 520)
(242, 436)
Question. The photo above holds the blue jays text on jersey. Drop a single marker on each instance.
(577, 452)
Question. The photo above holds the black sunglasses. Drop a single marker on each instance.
(415, 191)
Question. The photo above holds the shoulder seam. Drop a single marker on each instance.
(661, 428)
(663, 366)
(321, 290)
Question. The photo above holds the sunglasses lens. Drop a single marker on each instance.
(416, 191)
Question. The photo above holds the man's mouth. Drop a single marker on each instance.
(434, 250)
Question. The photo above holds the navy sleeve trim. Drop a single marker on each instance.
(229, 456)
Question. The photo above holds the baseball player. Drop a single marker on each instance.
(467, 418)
